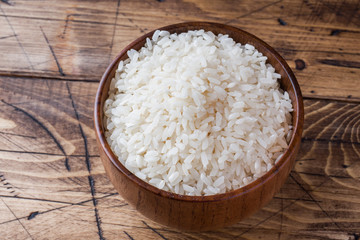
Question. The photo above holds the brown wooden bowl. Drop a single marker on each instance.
(201, 212)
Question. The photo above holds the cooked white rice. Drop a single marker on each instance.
(197, 114)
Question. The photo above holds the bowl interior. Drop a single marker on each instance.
(288, 83)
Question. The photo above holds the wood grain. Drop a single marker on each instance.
(319, 200)
(77, 40)
(40, 129)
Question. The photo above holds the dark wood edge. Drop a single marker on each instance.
(295, 139)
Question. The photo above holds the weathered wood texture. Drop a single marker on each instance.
(45, 122)
(52, 54)
(77, 39)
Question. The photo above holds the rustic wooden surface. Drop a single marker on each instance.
(52, 55)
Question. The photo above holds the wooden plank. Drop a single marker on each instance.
(43, 122)
(77, 40)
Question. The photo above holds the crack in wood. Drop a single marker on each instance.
(53, 53)
(130, 237)
(340, 63)
(88, 165)
(5, 37)
(154, 230)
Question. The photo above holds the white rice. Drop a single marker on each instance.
(197, 114)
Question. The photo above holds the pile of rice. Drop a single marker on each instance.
(197, 114)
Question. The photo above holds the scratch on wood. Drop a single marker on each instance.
(254, 11)
(264, 220)
(88, 165)
(340, 63)
(314, 51)
(36, 199)
(119, 205)
(53, 53)
(14, 35)
(17, 135)
(132, 22)
(14, 143)
(276, 213)
(322, 175)
(129, 235)
(17, 219)
(32, 215)
(147, 225)
(9, 186)
(113, 34)
(48, 77)
(317, 203)
(46, 130)
(67, 20)
(58, 208)
(46, 154)
(61, 20)
(17, 39)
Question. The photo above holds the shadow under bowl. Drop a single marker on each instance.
(198, 213)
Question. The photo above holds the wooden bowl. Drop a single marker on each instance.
(201, 212)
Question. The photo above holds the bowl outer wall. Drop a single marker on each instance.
(201, 212)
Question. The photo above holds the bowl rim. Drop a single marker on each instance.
(294, 142)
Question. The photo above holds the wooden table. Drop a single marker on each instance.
(52, 55)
